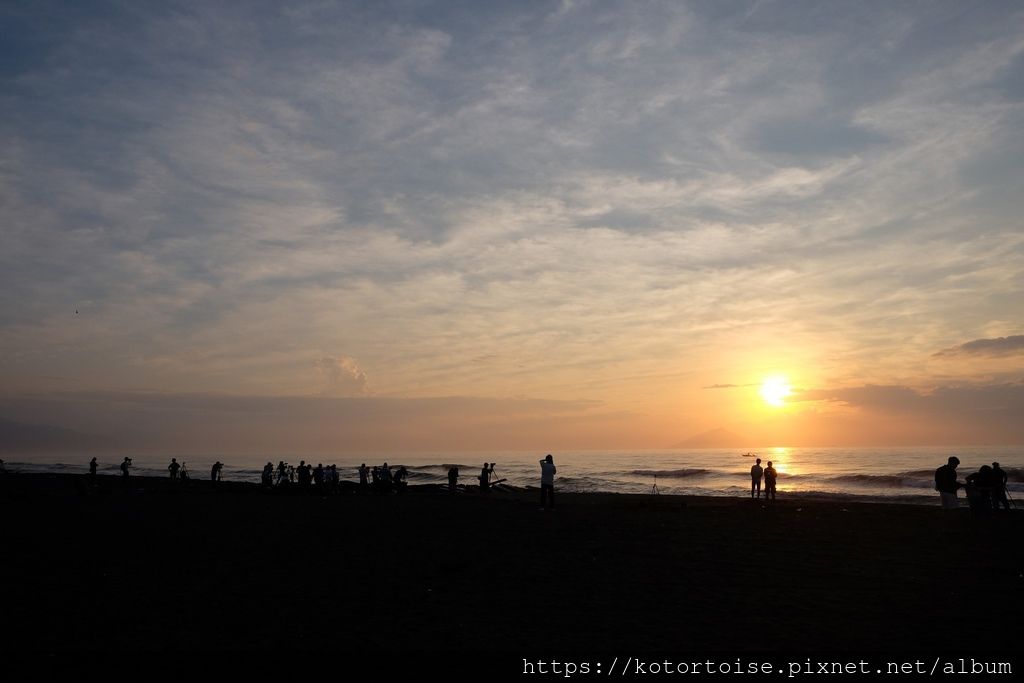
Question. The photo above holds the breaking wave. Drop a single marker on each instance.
(671, 474)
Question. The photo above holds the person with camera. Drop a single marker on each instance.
(547, 482)
(485, 477)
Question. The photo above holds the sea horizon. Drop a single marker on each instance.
(882, 474)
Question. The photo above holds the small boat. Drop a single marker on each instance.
(749, 455)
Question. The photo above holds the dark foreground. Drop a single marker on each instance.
(157, 567)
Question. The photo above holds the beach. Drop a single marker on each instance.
(156, 565)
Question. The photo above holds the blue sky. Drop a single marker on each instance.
(608, 205)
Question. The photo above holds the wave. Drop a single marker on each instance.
(441, 468)
(884, 480)
(672, 474)
(918, 473)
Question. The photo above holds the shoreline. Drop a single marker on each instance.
(349, 487)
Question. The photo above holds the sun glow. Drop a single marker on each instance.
(775, 390)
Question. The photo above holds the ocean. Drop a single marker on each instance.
(867, 474)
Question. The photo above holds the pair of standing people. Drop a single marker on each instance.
(769, 474)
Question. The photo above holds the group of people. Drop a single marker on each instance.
(757, 473)
(381, 479)
(986, 488)
(325, 478)
(178, 471)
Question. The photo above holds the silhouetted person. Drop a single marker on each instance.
(755, 478)
(547, 482)
(125, 466)
(268, 475)
(282, 472)
(385, 474)
(999, 487)
(485, 478)
(3, 468)
(770, 475)
(318, 476)
(364, 476)
(304, 475)
(333, 471)
(399, 478)
(979, 487)
(215, 471)
(453, 479)
(92, 468)
(946, 483)
(173, 468)
(183, 474)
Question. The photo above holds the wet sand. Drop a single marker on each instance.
(157, 566)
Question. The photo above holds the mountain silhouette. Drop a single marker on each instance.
(714, 438)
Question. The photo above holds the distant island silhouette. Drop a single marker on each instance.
(714, 438)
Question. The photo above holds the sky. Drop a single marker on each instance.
(338, 226)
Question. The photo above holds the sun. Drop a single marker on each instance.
(775, 390)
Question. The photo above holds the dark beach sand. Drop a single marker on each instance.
(192, 568)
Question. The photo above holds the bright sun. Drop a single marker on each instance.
(775, 390)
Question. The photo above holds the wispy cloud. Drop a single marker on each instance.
(591, 196)
(341, 376)
(1000, 346)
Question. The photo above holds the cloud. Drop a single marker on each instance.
(341, 376)
(17, 437)
(1000, 346)
(167, 422)
(969, 398)
(583, 196)
(971, 413)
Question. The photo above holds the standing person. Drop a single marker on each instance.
(364, 476)
(755, 479)
(547, 482)
(999, 487)
(268, 475)
(215, 471)
(92, 468)
(125, 466)
(946, 483)
(453, 479)
(184, 471)
(770, 475)
(173, 468)
(485, 478)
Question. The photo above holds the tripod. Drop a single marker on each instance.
(654, 489)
